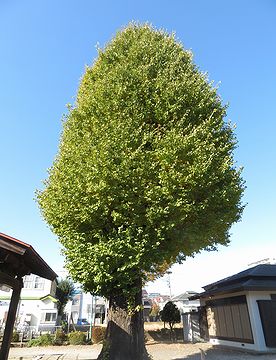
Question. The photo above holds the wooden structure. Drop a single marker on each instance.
(16, 260)
(240, 310)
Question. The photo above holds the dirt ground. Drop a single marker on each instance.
(193, 352)
(158, 351)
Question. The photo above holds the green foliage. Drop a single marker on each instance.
(170, 314)
(43, 340)
(65, 292)
(77, 338)
(145, 171)
(98, 334)
(15, 336)
(64, 325)
(60, 337)
(155, 310)
(105, 354)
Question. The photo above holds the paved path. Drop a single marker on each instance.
(157, 351)
(69, 352)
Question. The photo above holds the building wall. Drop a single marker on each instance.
(258, 340)
(228, 319)
(33, 308)
(36, 286)
(252, 298)
(84, 307)
(185, 306)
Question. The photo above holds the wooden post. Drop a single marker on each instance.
(4, 352)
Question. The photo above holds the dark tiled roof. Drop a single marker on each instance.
(260, 277)
(263, 270)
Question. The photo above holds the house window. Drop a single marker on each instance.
(76, 301)
(28, 281)
(50, 317)
(89, 308)
(33, 282)
(39, 283)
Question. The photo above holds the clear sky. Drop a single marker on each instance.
(44, 47)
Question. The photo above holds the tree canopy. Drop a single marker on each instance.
(145, 171)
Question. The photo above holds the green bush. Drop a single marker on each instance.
(98, 334)
(15, 336)
(60, 337)
(43, 340)
(77, 338)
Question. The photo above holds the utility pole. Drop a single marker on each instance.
(91, 318)
(95, 305)
(169, 283)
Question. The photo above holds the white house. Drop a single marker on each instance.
(184, 304)
(86, 308)
(37, 308)
(160, 300)
(17, 259)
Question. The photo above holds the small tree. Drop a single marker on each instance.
(170, 314)
(154, 311)
(65, 292)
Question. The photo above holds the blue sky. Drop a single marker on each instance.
(44, 47)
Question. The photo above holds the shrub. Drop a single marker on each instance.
(43, 340)
(98, 334)
(77, 338)
(60, 337)
(170, 314)
(15, 336)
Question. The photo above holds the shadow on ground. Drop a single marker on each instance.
(165, 336)
(216, 354)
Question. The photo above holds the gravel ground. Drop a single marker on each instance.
(158, 351)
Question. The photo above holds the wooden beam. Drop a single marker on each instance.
(4, 351)
(6, 279)
(12, 247)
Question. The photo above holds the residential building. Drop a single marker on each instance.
(17, 260)
(86, 308)
(147, 303)
(160, 300)
(37, 308)
(184, 304)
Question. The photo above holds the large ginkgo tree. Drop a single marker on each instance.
(144, 175)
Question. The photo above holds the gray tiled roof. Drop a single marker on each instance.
(260, 277)
(184, 296)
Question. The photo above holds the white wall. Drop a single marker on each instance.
(185, 306)
(30, 307)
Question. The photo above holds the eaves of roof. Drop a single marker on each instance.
(247, 285)
(262, 271)
(32, 260)
(52, 298)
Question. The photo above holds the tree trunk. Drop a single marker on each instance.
(124, 339)
(58, 320)
(171, 331)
